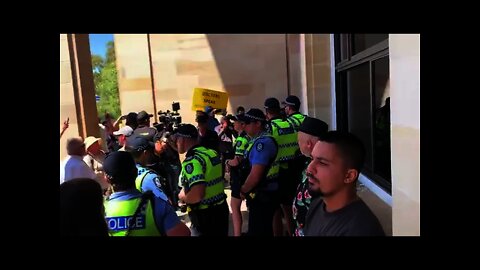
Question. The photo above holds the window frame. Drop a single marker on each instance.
(345, 61)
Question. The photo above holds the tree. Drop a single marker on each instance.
(97, 63)
(110, 52)
(106, 85)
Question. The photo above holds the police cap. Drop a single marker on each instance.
(314, 127)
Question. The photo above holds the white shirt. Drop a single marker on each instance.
(224, 137)
(95, 164)
(74, 167)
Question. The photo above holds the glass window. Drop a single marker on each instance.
(363, 41)
(382, 118)
(359, 107)
(363, 101)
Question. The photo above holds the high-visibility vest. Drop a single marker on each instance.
(286, 137)
(119, 216)
(240, 144)
(296, 119)
(210, 170)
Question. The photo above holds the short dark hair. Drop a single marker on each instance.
(296, 108)
(201, 117)
(350, 147)
(274, 111)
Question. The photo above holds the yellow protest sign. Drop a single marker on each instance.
(206, 97)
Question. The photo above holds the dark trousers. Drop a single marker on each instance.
(211, 221)
(289, 179)
(260, 215)
(173, 170)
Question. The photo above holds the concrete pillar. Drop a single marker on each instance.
(83, 85)
(405, 121)
(318, 69)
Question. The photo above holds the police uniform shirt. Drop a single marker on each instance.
(164, 215)
(192, 172)
(151, 182)
(262, 152)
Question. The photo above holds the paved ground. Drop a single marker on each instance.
(184, 216)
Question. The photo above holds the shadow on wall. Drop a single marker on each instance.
(251, 66)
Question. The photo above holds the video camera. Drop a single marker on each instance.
(170, 120)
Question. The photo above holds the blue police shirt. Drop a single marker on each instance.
(151, 182)
(164, 215)
(263, 152)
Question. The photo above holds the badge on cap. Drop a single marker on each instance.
(189, 168)
(259, 147)
(238, 144)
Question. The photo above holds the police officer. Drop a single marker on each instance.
(202, 181)
(166, 162)
(128, 212)
(237, 177)
(147, 179)
(261, 186)
(292, 107)
(144, 129)
(286, 136)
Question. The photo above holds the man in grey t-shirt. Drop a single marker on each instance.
(337, 161)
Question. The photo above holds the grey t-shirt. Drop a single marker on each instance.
(355, 219)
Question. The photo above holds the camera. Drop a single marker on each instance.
(170, 120)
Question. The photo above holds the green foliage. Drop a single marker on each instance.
(106, 85)
(110, 52)
(97, 63)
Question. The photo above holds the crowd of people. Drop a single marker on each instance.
(297, 177)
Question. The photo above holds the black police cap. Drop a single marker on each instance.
(292, 101)
(138, 143)
(187, 131)
(119, 164)
(271, 103)
(253, 114)
(314, 127)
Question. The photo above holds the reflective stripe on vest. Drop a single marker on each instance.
(286, 136)
(240, 144)
(119, 216)
(212, 173)
(296, 120)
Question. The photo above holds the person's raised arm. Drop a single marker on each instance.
(65, 126)
(118, 121)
